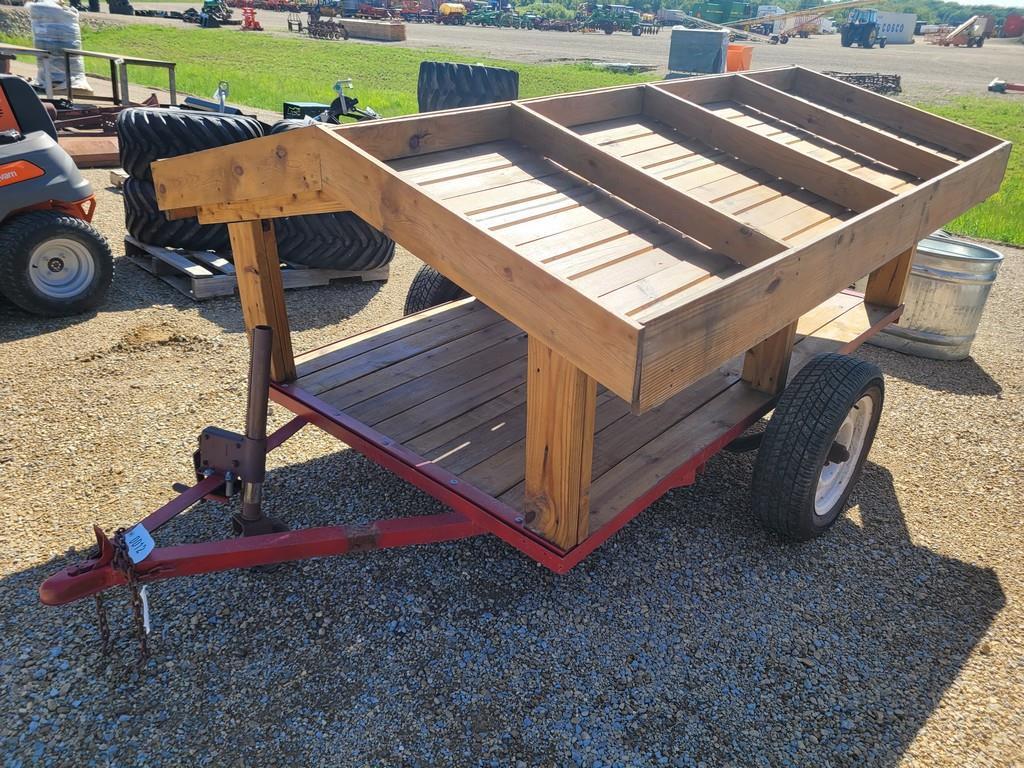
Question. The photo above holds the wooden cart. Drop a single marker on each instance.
(651, 264)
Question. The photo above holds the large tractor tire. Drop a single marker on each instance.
(148, 134)
(146, 222)
(333, 241)
(443, 85)
(430, 288)
(53, 264)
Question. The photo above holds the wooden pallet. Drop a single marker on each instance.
(205, 275)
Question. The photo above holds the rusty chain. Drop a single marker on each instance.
(123, 563)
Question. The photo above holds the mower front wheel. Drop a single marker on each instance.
(53, 264)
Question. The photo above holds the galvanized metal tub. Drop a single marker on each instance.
(946, 294)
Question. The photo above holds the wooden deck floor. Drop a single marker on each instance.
(449, 384)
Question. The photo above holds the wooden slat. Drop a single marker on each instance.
(328, 355)
(349, 363)
(258, 271)
(559, 446)
(840, 129)
(592, 338)
(589, 107)
(268, 167)
(768, 154)
(294, 204)
(432, 132)
(895, 115)
(639, 188)
(711, 327)
(887, 285)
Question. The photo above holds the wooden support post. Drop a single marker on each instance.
(561, 403)
(888, 284)
(766, 366)
(258, 271)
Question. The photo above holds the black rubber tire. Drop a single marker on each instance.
(430, 288)
(21, 234)
(147, 134)
(443, 85)
(979, 42)
(146, 222)
(333, 241)
(881, 42)
(288, 124)
(799, 437)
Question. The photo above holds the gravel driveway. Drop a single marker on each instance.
(691, 638)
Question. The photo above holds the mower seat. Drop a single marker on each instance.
(21, 110)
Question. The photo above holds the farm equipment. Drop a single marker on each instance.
(648, 25)
(52, 261)
(322, 28)
(451, 14)
(970, 34)
(376, 10)
(249, 22)
(638, 305)
(781, 27)
(598, 17)
(861, 28)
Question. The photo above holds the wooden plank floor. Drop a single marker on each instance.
(605, 248)
(449, 385)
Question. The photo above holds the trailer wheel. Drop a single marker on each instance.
(53, 264)
(815, 445)
(148, 134)
(430, 288)
(881, 42)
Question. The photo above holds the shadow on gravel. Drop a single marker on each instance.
(134, 288)
(961, 377)
(691, 636)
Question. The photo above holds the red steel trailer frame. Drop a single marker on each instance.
(473, 511)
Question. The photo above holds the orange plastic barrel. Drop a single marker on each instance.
(738, 58)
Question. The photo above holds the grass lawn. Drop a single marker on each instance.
(1001, 217)
(265, 71)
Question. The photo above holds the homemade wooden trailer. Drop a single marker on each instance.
(651, 264)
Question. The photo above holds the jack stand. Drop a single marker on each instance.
(251, 521)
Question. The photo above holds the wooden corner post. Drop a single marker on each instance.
(560, 406)
(258, 270)
(766, 366)
(887, 285)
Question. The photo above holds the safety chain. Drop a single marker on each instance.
(123, 563)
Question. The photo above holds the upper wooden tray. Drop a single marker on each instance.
(648, 233)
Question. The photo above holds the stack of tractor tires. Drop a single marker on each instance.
(145, 135)
(443, 85)
(340, 241)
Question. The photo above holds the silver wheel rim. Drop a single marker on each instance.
(836, 476)
(61, 268)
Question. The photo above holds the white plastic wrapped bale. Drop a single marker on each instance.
(54, 28)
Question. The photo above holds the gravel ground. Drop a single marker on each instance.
(691, 638)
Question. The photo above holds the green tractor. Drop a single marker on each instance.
(861, 28)
(607, 18)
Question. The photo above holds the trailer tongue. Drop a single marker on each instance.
(651, 265)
